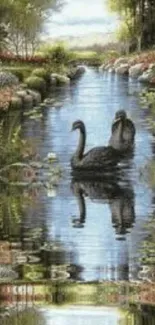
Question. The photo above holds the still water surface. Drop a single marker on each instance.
(96, 235)
(93, 236)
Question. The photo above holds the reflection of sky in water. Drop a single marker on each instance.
(82, 316)
(94, 99)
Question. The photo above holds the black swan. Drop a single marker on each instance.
(123, 132)
(97, 158)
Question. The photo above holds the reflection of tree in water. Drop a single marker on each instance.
(138, 315)
(26, 317)
(24, 243)
(120, 199)
(147, 256)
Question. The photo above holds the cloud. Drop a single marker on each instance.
(81, 16)
(83, 21)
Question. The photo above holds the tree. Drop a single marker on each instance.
(4, 11)
(25, 23)
(124, 35)
(142, 13)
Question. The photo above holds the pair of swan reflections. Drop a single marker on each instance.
(120, 199)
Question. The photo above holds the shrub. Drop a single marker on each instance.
(88, 57)
(11, 58)
(58, 54)
(6, 94)
(7, 79)
(36, 83)
(19, 72)
(42, 73)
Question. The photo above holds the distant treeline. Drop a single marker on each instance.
(99, 48)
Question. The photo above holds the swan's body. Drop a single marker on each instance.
(123, 132)
(95, 159)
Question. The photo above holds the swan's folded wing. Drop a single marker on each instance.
(101, 157)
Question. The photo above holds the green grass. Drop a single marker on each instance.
(21, 72)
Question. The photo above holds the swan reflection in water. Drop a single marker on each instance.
(119, 197)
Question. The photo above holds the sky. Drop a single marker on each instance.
(79, 17)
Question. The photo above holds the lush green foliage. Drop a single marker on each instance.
(139, 19)
(94, 58)
(24, 20)
(36, 83)
(20, 72)
(88, 57)
(42, 73)
(56, 54)
(11, 145)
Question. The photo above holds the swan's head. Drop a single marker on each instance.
(78, 125)
(120, 115)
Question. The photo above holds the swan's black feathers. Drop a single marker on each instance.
(101, 156)
(97, 159)
(128, 125)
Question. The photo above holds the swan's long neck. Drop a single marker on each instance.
(120, 132)
(81, 203)
(81, 145)
(119, 136)
(82, 207)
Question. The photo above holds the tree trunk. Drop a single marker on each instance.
(139, 43)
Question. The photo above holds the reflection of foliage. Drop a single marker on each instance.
(35, 233)
(12, 146)
(26, 317)
(147, 173)
(33, 272)
(148, 245)
(147, 256)
(12, 203)
(139, 314)
(10, 214)
(9, 144)
(148, 101)
(13, 151)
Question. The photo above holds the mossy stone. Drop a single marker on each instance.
(36, 83)
(16, 103)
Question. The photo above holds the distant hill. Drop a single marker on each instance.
(86, 40)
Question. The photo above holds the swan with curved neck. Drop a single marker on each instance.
(123, 132)
(95, 159)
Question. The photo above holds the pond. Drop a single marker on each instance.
(58, 234)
